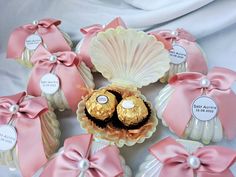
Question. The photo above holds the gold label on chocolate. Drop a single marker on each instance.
(102, 99)
(127, 104)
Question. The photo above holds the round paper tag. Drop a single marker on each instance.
(32, 41)
(102, 99)
(204, 108)
(8, 137)
(178, 54)
(49, 83)
(127, 104)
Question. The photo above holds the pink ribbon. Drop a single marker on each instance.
(195, 58)
(104, 163)
(92, 31)
(46, 28)
(65, 67)
(31, 153)
(187, 87)
(214, 160)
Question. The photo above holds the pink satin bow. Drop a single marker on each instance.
(195, 58)
(30, 148)
(187, 87)
(92, 31)
(46, 29)
(65, 67)
(69, 163)
(214, 160)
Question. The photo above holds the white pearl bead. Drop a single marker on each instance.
(194, 162)
(175, 33)
(83, 164)
(205, 83)
(53, 58)
(35, 22)
(14, 108)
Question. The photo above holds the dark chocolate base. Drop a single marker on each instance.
(118, 124)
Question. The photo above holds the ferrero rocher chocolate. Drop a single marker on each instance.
(131, 111)
(101, 105)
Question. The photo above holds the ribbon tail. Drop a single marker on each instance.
(226, 105)
(226, 173)
(16, 43)
(175, 170)
(38, 71)
(100, 160)
(178, 113)
(70, 77)
(31, 152)
(54, 39)
(115, 23)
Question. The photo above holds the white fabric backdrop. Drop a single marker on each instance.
(212, 22)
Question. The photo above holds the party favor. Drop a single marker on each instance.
(184, 52)
(61, 77)
(29, 133)
(82, 156)
(91, 31)
(118, 112)
(200, 107)
(186, 158)
(25, 39)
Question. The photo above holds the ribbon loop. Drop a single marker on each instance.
(205, 162)
(77, 158)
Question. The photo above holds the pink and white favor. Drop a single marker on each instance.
(29, 133)
(84, 157)
(184, 52)
(25, 39)
(198, 106)
(175, 158)
(61, 77)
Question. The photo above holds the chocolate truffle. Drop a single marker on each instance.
(101, 105)
(132, 111)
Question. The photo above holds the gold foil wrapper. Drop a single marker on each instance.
(101, 104)
(131, 110)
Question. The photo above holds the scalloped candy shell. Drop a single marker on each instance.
(129, 57)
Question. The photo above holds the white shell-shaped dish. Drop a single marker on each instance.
(96, 146)
(58, 99)
(117, 137)
(129, 57)
(50, 136)
(179, 68)
(151, 167)
(205, 131)
(27, 54)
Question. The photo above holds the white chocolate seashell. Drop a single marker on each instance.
(26, 55)
(179, 68)
(50, 137)
(96, 146)
(129, 57)
(151, 167)
(58, 100)
(205, 131)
